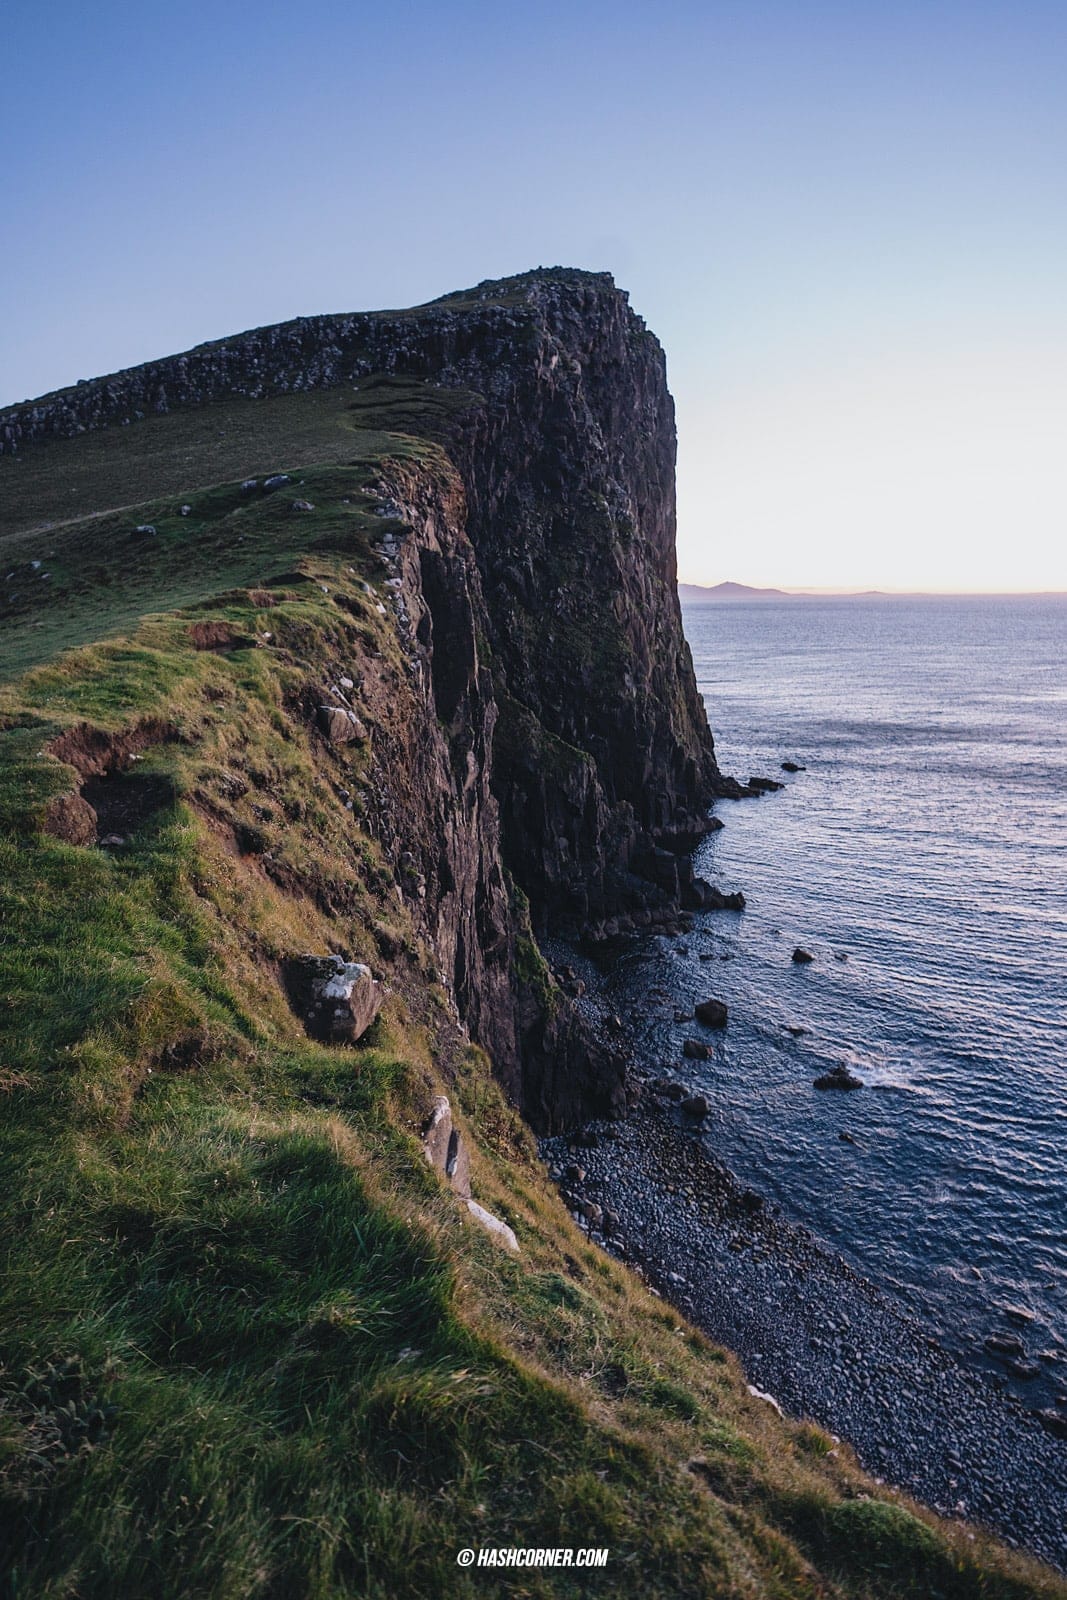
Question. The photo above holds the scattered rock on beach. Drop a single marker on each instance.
(1005, 1344)
(695, 1106)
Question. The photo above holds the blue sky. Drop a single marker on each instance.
(846, 223)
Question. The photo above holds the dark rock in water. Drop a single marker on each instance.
(846, 1137)
(337, 1000)
(668, 1087)
(1026, 1371)
(712, 1013)
(1053, 1422)
(802, 957)
(765, 785)
(683, 1016)
(1018, 1314)
(703, 896)
(795, 1029)
(793, 766)
(1005, 1344)
(840, 955)
(839, 1077)
(696, 1050)
(695, 1106)
(714, 824)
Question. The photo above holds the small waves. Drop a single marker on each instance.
(919, 858)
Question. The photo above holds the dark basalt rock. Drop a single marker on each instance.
(793, 766)
(765, 785)
(712, 1013)
(696, 1050)
(838, 1077)
(703, 896)
(802, 957)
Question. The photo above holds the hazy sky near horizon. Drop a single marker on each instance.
(847, 223)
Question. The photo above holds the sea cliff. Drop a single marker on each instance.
(340, 664)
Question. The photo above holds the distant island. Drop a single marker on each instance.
(697, 594)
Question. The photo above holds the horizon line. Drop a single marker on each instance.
(855, 592)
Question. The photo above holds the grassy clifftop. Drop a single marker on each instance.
(251, 1345)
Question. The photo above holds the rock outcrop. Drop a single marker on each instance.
(557, 765)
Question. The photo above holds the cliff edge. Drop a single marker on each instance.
(539, 595)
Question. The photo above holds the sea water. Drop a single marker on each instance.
(921, 858)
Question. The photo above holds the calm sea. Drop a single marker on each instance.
(921, 858)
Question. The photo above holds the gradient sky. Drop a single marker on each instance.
(846, 222)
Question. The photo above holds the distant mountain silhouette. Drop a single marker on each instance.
(695, 593)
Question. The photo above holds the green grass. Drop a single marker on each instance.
(171, 457)
(249, 1347)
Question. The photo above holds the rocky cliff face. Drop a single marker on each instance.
(536, 592)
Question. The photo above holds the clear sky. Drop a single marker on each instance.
(846, 222)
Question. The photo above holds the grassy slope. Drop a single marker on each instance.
(250, 1346)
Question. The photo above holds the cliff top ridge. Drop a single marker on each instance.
(511, 292)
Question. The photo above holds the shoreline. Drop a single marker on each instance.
(826, 1342)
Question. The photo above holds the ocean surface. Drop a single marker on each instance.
(921, 858)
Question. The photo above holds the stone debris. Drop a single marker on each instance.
(337, 1000)
(493, 1225)
(761, 1394)
(445, 1148)
(340, 725)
